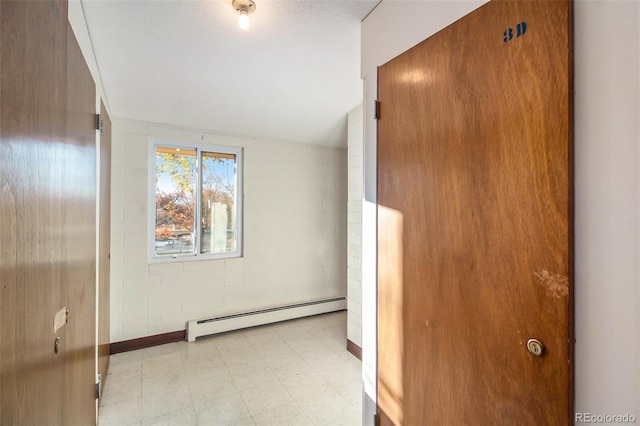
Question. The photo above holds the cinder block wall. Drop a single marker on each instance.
(295, 234)
(355, 142)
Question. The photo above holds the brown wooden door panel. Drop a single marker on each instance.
(105, 245)
(474, 221)
(32, 138)
(79, 176)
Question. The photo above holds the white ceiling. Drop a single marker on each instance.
(293, 76)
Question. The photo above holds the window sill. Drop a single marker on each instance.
(193, 257)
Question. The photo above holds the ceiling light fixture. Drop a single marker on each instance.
(245, 7)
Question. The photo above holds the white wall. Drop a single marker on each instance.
(79, 27)
(295, 198)
(607, 196)
(607, 206)
(355, 140)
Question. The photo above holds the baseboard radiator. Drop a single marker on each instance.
(221, 324)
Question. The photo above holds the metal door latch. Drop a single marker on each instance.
(536, 348)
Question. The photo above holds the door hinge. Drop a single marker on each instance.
(98, 385)
(376, 420)
(99, 124)
(377, 111)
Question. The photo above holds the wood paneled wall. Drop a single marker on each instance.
(47, 218)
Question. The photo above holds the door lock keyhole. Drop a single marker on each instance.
(536, 348)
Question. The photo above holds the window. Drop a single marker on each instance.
(195, 201)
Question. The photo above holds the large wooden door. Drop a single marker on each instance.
(475, 222)
(79, 278)
(104, 256)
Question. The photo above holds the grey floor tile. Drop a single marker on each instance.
(292, 373)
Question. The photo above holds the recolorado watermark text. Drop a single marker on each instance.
(605, 418)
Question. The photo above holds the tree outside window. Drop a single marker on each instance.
(196, 201)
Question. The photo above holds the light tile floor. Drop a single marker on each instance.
(292, 373)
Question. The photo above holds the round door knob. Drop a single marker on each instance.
(536, 348)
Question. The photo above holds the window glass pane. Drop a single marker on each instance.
(218, 203)
(175, 201)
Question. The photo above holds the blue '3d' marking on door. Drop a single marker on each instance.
(521, 28)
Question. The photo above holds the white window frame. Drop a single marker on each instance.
(151, 202)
